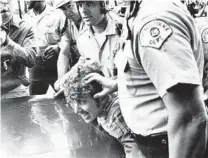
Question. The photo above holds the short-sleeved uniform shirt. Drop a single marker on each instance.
(165, 50)
(100, 47)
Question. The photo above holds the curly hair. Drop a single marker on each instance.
(75, 89)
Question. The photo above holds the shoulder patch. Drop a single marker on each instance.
(155, 33)
(205, 35)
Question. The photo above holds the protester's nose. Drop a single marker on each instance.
(76, 108)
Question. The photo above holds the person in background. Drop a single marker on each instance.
(17, 53)
(70, 55)
(98, 40)
(160, 69)
(50, 26)
(104, 113)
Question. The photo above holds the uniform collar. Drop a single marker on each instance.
(109, 30)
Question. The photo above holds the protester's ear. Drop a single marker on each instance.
(101, 101)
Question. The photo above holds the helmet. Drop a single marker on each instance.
(62, 2)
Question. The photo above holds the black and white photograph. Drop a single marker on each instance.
(104, 79)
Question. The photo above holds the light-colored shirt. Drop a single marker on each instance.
(20, 46)
(48, 25)
(165, 50)
(102, 47)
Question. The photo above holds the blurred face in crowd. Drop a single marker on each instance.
(6, 11)
(35, 4)
(90, 12)
(87, 108)
(71, 12)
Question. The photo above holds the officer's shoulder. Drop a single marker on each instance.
(23, 24)
(157, 24)
(153, 31)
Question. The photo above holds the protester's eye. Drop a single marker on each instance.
(84, 101)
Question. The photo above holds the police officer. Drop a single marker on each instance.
(50, 26)
(98, 39)
(16, 42)
(160, 80)
(70, 54)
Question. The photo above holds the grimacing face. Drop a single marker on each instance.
(87, 109)
(5, 10)
(90, 12)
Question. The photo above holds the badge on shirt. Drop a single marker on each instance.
(155, 33)
(205, 35)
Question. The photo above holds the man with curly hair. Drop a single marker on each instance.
(104, 112)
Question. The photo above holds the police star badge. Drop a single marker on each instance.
(155, 33)
(205, 35)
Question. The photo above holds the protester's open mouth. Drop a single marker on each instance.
(85, 115)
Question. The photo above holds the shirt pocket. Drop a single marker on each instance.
(131, 73)
(51, 34)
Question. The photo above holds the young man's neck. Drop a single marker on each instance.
(100, 27)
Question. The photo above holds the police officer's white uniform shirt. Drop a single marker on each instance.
(165, 50)
(100, 47)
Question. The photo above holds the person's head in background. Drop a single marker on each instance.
(80, 95)
(92, 12)
(70, 10)
(6, 11)
(183, 1)
(38, 6)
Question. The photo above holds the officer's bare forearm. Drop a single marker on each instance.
(186, 138)
(62, 64)
(186, 123)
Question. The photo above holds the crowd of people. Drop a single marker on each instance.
(142, 77)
